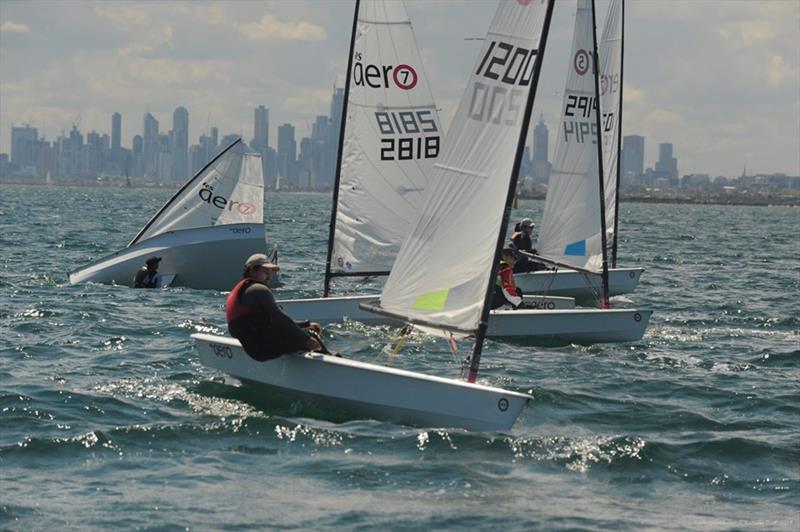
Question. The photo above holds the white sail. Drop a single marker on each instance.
(570, 231)
(392, 134)
(442, 270)
(229, 190)
(610, 87)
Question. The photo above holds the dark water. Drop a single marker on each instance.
(108, 420)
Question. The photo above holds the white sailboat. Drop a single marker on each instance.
(573, 229)
(390, 134)
(479, 160)
(203, 234)
(565, 281)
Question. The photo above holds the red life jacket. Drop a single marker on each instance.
(234, 308)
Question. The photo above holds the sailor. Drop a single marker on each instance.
(521, 240)
(148, 276)
(506, 292)
(254, 318)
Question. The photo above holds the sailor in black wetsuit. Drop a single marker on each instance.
(148, 276)
(254, 318)
(521, 239)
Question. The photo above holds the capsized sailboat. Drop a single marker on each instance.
(574, 223)
(569, 282)
(203, 234)
(481, 155)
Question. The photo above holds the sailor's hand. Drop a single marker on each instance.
(313, 344)
(314, 327)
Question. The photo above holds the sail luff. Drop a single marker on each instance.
(337, 179)
(602, 195)
(180, 191)
(480, 336)
(619, 134)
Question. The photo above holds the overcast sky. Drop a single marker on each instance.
(719, 79)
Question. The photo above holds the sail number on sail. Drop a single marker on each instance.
(413, 124)
(505, 65)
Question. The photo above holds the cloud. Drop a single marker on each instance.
(631, 94)
(269, 28)
(780, 71)
(664, 117)
(9, 26)
(749, 33)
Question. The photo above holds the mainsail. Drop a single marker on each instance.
(443, 269)
(228, 190)
(570, 232)
(392, 134)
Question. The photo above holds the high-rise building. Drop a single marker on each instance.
(632, 157)
(541, 167)
(180, 144)
(337, 106)
(23, 146)
(260, 129)
(150, 148)
(667, 165)
(540, 140)
(116, 131)
(287, 153)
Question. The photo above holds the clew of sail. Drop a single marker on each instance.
(392, 134)
(228, 190)
(570, 231)
(442, 271)
(610, 88)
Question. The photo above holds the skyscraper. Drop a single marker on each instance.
(667, 164)
(287, 153)
(150, 147)
(540, 163)
(23, 146)
(260, 129)
(632, 157)
(180, 144)
(116, 131)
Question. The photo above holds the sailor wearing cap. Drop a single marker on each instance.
(256, 320)
(521, 240)
(148, 276)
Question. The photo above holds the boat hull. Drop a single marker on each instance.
(327, 310)
(369, 390)
(206, 257)
(576, 284)
(582, 326)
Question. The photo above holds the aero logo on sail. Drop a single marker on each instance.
(207, 195)
(403, 76)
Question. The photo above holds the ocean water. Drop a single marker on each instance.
(107, 419)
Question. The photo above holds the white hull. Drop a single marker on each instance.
(369, 390)
(581, 326)
(326, 310)
(575, 284)
(206, 257)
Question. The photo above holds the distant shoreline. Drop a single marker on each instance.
(734, 199)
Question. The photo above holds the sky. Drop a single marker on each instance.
(719, 79)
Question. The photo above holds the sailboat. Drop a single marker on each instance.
(389, 135)
(574, 223)
(203, 234)
(572, 282)
(476, 170)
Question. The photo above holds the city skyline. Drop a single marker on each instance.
(725, 95)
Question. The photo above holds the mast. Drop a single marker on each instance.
(619, 135)
(603, 236)
(334, 207)
(480, 336)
